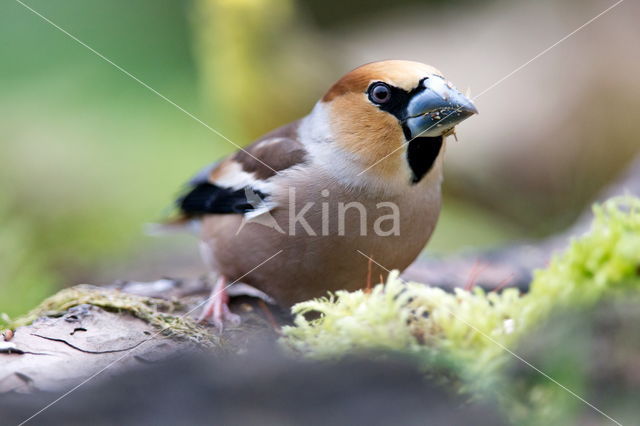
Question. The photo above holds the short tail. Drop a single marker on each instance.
(177, 226)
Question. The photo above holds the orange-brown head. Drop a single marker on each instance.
(379, 110)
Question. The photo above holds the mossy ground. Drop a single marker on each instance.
(476, 332)
(167, 316)
(466, 337)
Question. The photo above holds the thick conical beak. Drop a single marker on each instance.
(437, 108)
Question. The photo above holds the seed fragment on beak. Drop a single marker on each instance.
(451, 132)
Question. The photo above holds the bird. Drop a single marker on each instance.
(296, 214)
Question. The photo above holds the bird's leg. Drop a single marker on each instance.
(217, 309)
(367, 289)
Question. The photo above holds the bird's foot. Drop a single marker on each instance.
(217, 311)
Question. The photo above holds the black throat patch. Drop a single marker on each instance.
(421, 154)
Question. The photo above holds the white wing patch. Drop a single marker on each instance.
(233, 176)
(269, 142)
(261, 213)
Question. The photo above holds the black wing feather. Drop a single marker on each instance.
(203, 196)
(207, 198)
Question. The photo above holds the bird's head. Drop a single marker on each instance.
(385, 116)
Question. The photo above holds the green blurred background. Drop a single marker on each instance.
(88, 155)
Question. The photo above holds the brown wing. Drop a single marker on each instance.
(275, 151)
(233, 185)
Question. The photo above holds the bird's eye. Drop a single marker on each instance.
(379, 93)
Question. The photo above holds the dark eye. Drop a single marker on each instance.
(379, 93)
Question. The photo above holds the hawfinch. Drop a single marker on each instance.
(292, 215)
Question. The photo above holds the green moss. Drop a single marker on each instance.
(474, 330)
(408, 317)
(166, 315)
(607, 258)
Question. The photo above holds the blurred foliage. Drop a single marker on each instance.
(261, 63)
(20, 265)
(88, 155)
(355, 10)
(474, 330)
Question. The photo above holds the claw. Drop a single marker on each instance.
(229, 316)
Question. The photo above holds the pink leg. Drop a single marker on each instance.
(217, 310)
